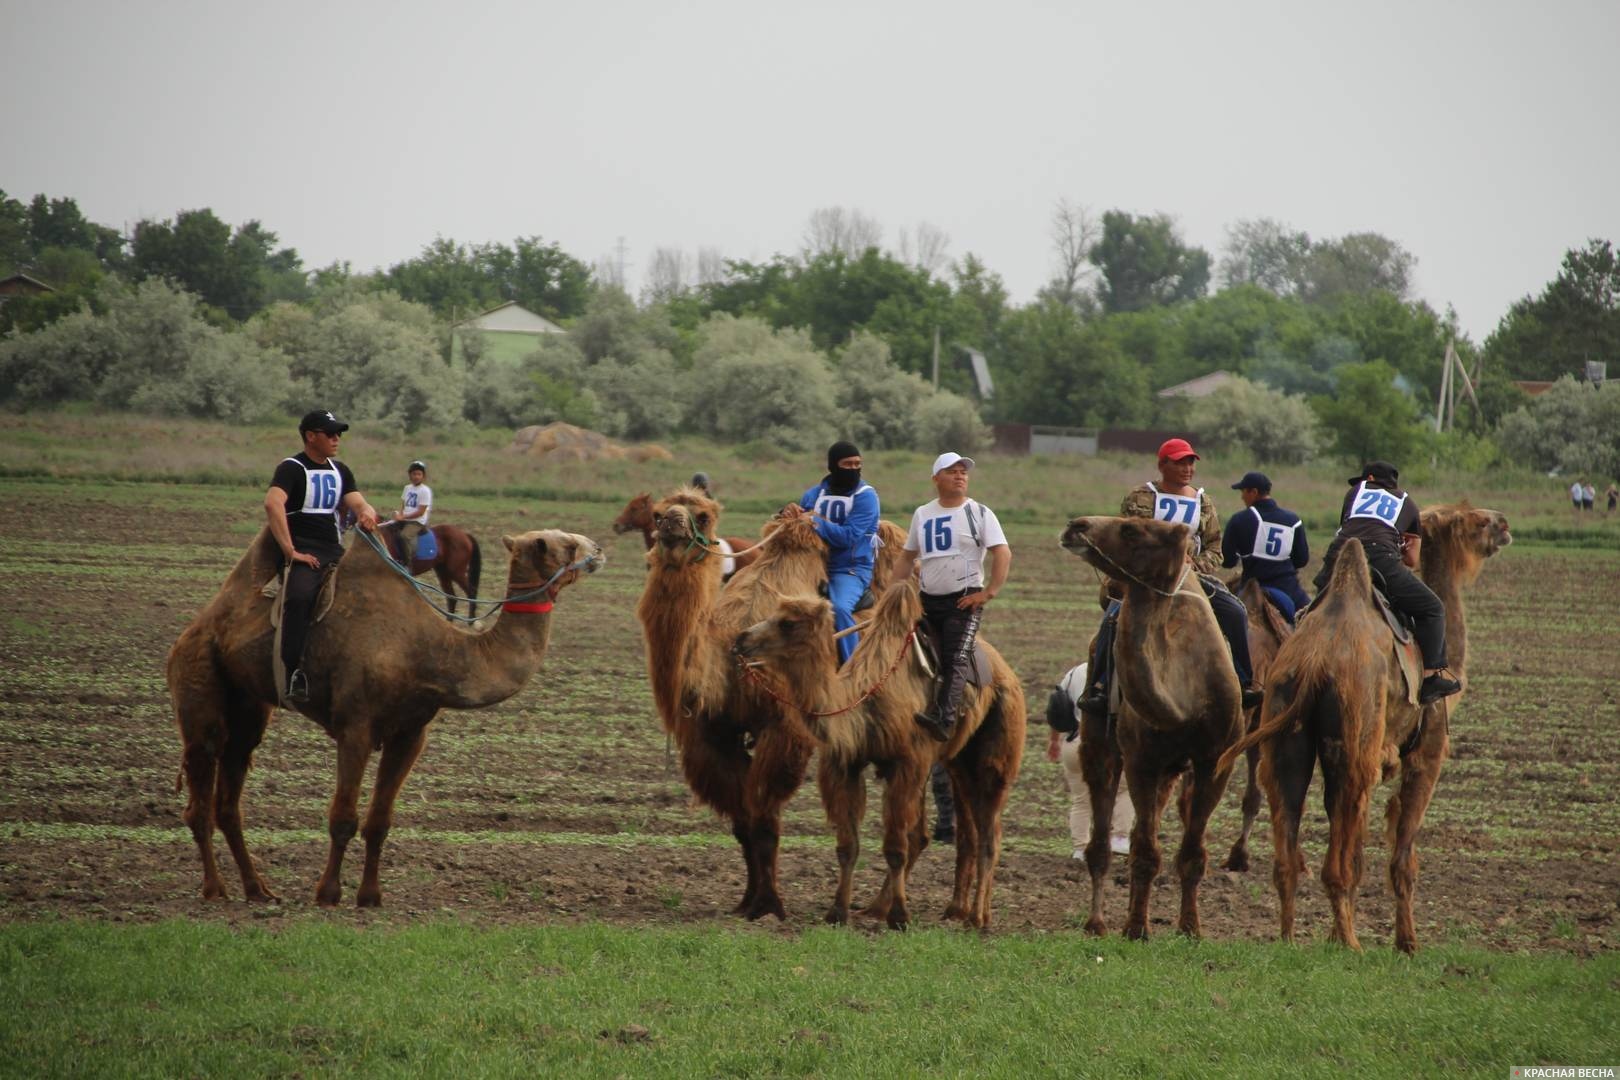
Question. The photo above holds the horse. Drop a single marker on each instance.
(458, 561)
(637, 516)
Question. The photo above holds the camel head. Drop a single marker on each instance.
(684, 524)
(1457, 539)
(546, 554)
(636, 515)
(800, 628)
(1152, 553)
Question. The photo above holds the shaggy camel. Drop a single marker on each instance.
(1267, 631)
(637, 516)
(1180, 708)
(382, 665)
(865, 715)
(741, 753)
(1336, 694)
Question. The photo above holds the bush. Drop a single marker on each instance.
(548, 385)
(1265, 424)
(750, 382)
(1572, 428)
(947, 421)
(642, 398)
(877, 402)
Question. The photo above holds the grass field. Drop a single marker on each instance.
(548, 880)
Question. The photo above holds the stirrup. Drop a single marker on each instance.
(1437, 686)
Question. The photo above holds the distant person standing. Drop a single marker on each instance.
(1577, 495)
(1614, 496)
(1588, 496)
(1271, 543)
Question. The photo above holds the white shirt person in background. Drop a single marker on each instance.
(950, 537)
(416, 506)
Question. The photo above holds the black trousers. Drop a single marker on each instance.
(303, 583)
(1405, 592)
(1230, 615)
(957, 628)
(944, 803)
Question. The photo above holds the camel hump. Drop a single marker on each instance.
(1352, 579)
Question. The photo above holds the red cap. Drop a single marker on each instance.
(1176, 450)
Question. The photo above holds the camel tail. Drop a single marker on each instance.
(475, 567)
(1279, 723)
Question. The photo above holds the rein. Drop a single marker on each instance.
(759, 680)
(513, 602)
(1124, 573)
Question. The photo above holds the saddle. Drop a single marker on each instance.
(926, 645)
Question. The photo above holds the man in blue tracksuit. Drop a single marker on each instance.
(846, 518)
(1270, 541)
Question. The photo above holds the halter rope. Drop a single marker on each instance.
(423, 588)
(759, 680)
(1185, 570)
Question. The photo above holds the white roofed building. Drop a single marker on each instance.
(510, 332)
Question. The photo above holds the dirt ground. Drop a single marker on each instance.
(563, 804)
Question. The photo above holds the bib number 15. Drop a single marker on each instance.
(937, 534)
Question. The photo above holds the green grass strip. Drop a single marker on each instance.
(323, 999)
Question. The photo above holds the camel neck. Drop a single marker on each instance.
(1444, 582)
(675, 611)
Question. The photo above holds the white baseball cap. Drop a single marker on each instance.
(949, 458)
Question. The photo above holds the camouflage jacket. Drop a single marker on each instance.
(1206, 538)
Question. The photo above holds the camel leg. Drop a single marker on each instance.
(1347, 785)
(967, 843)
(843, 794)
(201, 762)
(1150, 793)
(774, 775)
(398, 755)
(342, 817)
(714, 765)
(1420, 771)
(1100, 765)
(991, 792)
(1238, 859)
(1199, 799)
(902, 803)
(248, 719)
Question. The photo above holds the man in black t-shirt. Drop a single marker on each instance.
(307, 493)
(1387, 522)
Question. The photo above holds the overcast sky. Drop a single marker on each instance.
(1481, 136)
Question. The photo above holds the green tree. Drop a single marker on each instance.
(1369, 416)
(239, 272)
(1061, 370)
(1262, 423)
(1143, 261)
(750, 382)
(459, 280)
(1575, 319)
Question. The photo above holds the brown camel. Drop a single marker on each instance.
(1336, 693)
(1267, 631)
(1180, 709)
(637, 516)
(382, 664)
(865, 715)
(741, 753)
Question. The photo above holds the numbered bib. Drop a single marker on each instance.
(1272, 541)
(323, 489)
(1372, 504)
(1178, 509)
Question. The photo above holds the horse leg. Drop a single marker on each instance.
(1420, 771)
(342, 819)
(398, 755)
(447, 583)
(1100, 764)
(247, 721)
(843, 795)
(1199, 800)
(1150, 792)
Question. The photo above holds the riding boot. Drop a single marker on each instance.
(945, 808)
(957, 628)
(1095, 700)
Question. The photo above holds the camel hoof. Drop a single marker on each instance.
(953, 912)
(1238, 861)
(1408, 946)
(261, 895)
(328, 897)
(1136, 933)
(365, 899)
(1095, 927)
(770, 905)
(836, 916)
(213, 892)
(898, 919)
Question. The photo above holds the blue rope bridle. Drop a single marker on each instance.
(589, 563)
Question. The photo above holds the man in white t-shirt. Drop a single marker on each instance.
(416, 505)
(949, 538)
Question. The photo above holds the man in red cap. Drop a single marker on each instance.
(1174, 499)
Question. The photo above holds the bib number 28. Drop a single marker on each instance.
(1378, 504)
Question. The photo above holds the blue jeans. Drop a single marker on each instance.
(844, 589)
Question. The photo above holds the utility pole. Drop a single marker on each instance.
(936, 357)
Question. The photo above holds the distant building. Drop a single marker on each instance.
(22, 285)
(1203, 386)
(1534, 387)
(509, 332)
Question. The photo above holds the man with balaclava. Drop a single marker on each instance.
(847, 519)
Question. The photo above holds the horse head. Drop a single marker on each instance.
(637, 515)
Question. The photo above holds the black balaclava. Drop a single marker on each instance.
(841, 481)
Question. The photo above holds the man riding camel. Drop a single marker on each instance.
(1174, 499)
(1387, 522)
(847, 513)
(302, 506)
(1271, 543)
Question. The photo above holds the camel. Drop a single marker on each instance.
(382, 664)
(1180, 708)
(1336, 694)
(865, 714)
(1267, 631)
(741, 753)
(637, 516)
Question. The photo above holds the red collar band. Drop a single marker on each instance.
(528, 608)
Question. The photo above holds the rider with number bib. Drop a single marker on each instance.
(847, 519)
(1270, 541)
(1387, 522)
(415, 507)
(302, 506)
(1174, 498)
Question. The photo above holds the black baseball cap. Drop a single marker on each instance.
(1378, 470)
(1257, 480)
(322, 420)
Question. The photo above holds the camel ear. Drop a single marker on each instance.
(510, 542)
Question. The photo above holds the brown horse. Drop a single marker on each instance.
(457, 563)
(1267, 631)
(637, 516)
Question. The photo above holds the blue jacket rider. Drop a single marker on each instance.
(847, 519)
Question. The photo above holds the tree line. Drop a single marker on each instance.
(1331, 350)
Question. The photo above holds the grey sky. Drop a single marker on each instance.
(1479, 135)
